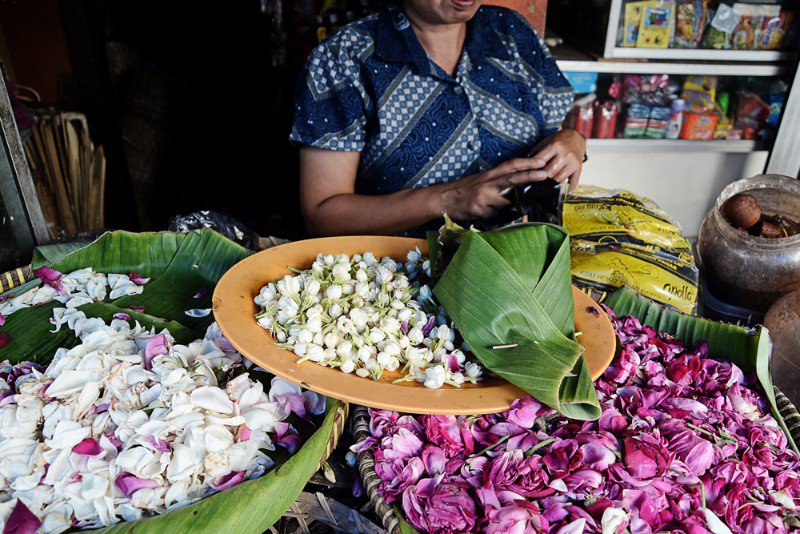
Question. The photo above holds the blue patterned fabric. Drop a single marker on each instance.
(372, 88)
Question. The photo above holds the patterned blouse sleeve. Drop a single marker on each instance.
(330, 102)
(555, 94)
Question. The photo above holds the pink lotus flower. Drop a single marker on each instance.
(128, 484)
(21, 520)
(51, 277)
(439, 507)
(88, 447)
(228, 481)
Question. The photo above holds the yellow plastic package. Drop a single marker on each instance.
(621, 239)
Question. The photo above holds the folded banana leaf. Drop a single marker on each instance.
(512, 287)
(750, 350)
(184, 268)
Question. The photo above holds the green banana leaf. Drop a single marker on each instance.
(750, 350)
(252, 506)
(512, 287)
(180, 266)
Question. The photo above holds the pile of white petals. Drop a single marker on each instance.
(72, 290)
(366, 316)
(128, 424)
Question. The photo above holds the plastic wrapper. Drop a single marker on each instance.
(222, 224)
(691, 21)
(621, 239)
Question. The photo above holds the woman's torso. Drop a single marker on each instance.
(418, 125)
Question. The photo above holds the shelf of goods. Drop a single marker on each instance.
(741, 32)
(733, 146)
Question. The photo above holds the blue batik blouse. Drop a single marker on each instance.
(372, 88)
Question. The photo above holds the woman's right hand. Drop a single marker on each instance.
(480, 196)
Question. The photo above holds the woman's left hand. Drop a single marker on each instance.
(561, 156)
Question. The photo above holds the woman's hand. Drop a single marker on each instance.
(560, 156)
(480, 196)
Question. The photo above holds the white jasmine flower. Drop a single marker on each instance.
(435, 377)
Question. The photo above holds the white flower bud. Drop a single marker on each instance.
(314, 324)
(312, 287)
(334, 292)
(344, 348)
(328, 259)
(415, 336)
(335, 311)
(405, 315)
(305, 336)
(376, 335)
(331, 340)
(363, 373)
(347, 366)
(314, 353)
(341, 272)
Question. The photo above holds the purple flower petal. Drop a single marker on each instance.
(5, 339)
(129, 484)
(201, 293)
(429, 326)
(123, 316)
(228, 481)
(51, 277)
(21, 520)
(138, 280)
(101, 408)
(2, 319)
(159, 444)
(287, 437)
(89, 447)
(138, 309)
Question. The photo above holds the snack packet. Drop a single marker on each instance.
(691, 19)
(656, 27)
(621, 239)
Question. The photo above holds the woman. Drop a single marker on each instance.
(428, 107)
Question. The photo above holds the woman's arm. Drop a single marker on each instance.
(331, 207)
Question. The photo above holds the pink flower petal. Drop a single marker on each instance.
(123, 316)
(21, 520)
(89, 447)
(138, 309)
(138, 280)
(159, 444)
(5, 339)
(129, 484)
(156, 346)
(2, 319)
(51, 277)
(228, 481)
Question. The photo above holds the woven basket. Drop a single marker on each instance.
(387, 513)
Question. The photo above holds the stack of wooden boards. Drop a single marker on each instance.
(69, 172)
